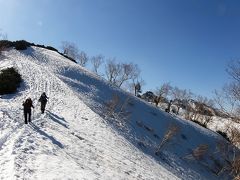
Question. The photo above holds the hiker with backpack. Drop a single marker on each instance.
(27, 105)
(43, 100)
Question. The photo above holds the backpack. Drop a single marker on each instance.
(27, 103)
(43, 99)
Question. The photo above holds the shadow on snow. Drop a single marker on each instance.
(57, 119)
(54, 141)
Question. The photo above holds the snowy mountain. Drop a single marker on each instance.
(94, 130)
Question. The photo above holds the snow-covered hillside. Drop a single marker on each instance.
(75, 139)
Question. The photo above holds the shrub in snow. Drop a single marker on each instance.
(217, 161)
(112, 105)
(168, 136)
(207, 119)
(174, 109)
(51, 48)
(235, 136)
(230, 156)
(45, 47)
(21, 45)
(236, 167)
(117, 110)
(224, 135)
(5, 44)
(199, 152)
(237, 177)
(10, 80)
(201, 124)
(148, 96)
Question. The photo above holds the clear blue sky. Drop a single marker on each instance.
(185, 42)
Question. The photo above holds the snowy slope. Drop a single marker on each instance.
(75, 140)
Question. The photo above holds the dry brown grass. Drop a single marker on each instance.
(237, 177)
(169, 134)
(235, 166)
(198, 153)
(112, 105)
(235, 136)
(117, 109)
(231, 158)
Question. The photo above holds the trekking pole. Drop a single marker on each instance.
(33, 115)
(23, 114)
(23, 117)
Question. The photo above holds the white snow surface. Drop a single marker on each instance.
(74, 140)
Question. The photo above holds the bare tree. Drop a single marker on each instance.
(234, 87)
(204, 100)
(233, 70)
(82, 58)
(112, 70)
(97, 61)
(128, 71)
(70, 49)
(228, 99)
(202, 109)
(120, 73)
(180, 95)
(162, 92)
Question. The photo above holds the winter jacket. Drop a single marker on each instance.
(27, 105)
(43, 99)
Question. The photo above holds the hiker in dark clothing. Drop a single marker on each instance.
(169, 106)
(157, 100)
(27, 105)
(43, 99)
